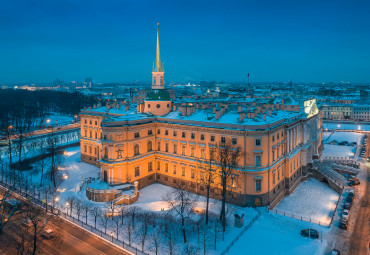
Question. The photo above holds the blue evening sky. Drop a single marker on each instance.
(114, 40)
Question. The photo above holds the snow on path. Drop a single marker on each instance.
(342, 136)
(312, 199)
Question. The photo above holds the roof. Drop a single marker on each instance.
(158, 95)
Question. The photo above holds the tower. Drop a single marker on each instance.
(158, 72)
(158, 100)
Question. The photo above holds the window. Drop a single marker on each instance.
(278, 152)
(212, 138)
(183, 150)
(119, 153)
(137, 134)
(136, 150)
(174, 169)
(175, 148)
(202, 137)
(85, 148)
(183, 135)
(202, 153)
(158, 131)
(85, 121)
(273, 138)
(150, 132)
(183, 171)
(90, 134)
(278, 136)
(106, 152)
(202, 175)
(96, 151)
(166, 167)
(174, 133)
(90, 149)
(192, 173)
(273, 178)
(159, 146)
(158, 105)
(96, 135)
(192, 136)
(90, 122)
(137, 171)
(273, 155)
(223, 139)
(258, 160)
(158, 165)
(258, 185)
(234, 141)
(279, 173)
(258, 142)
(192, 151)
(96, 123)
(150, 166)
(85, 132)
(150, 146)
(166, 132)
(166, 147)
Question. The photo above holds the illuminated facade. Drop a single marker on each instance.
(159, 142)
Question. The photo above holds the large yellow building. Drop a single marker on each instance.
(160, 142)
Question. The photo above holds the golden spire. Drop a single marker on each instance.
(158, 54)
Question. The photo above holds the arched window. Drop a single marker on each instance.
(150, 146)
(136, 150)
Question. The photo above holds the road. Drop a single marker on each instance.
(69, 239)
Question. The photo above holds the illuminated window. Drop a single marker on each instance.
(183, 150)
(174, 169)
(166, 167)
(183, 171)
(150, 166)
(137, 171)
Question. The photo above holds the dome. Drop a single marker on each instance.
(158, 95)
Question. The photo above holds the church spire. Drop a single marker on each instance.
(158, 67)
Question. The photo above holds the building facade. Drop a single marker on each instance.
(160, 142)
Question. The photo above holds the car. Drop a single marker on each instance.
(334, 252)
(354, 179)
(353, 183)
(351, 194)
(347, 205)
(27, 223)
(312, 233)
(48, 233)
(345, 214)
(343, 224)
(349, 200)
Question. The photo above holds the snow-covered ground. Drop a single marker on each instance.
(312, 200)
(279, 235)
(335, 150)
(57, 119)
(344, 126)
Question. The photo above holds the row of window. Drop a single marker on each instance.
(91, 122)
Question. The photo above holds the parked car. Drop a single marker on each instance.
(353, 183)
(312, 233)
(345, 214)
(334, 252)
(48, 233)
(347, 205)
(349, 200)
(26, 223)
(343, 224)
(354, 179)
(351, 194)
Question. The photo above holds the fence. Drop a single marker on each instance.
(241, 232)
(50, 208)
(291, 215)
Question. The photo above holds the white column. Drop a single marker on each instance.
(287, 141)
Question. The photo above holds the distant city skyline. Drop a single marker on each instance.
(303, 41)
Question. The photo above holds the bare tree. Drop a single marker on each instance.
(227, 157)
(85, 209)
(6, 211)
(104, 219)
(79, 207)
(205, 239)
(95, 212)
(181, 201)
(169, 240)
(116, 222)
(217, 228)
(144, 229)
(9, 131)
(122, 210)
(129, 226)
(155, 242)
(71, 201)
(43, 162)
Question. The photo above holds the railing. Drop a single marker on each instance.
(242, 232)
(301, 218)
(50, 208)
